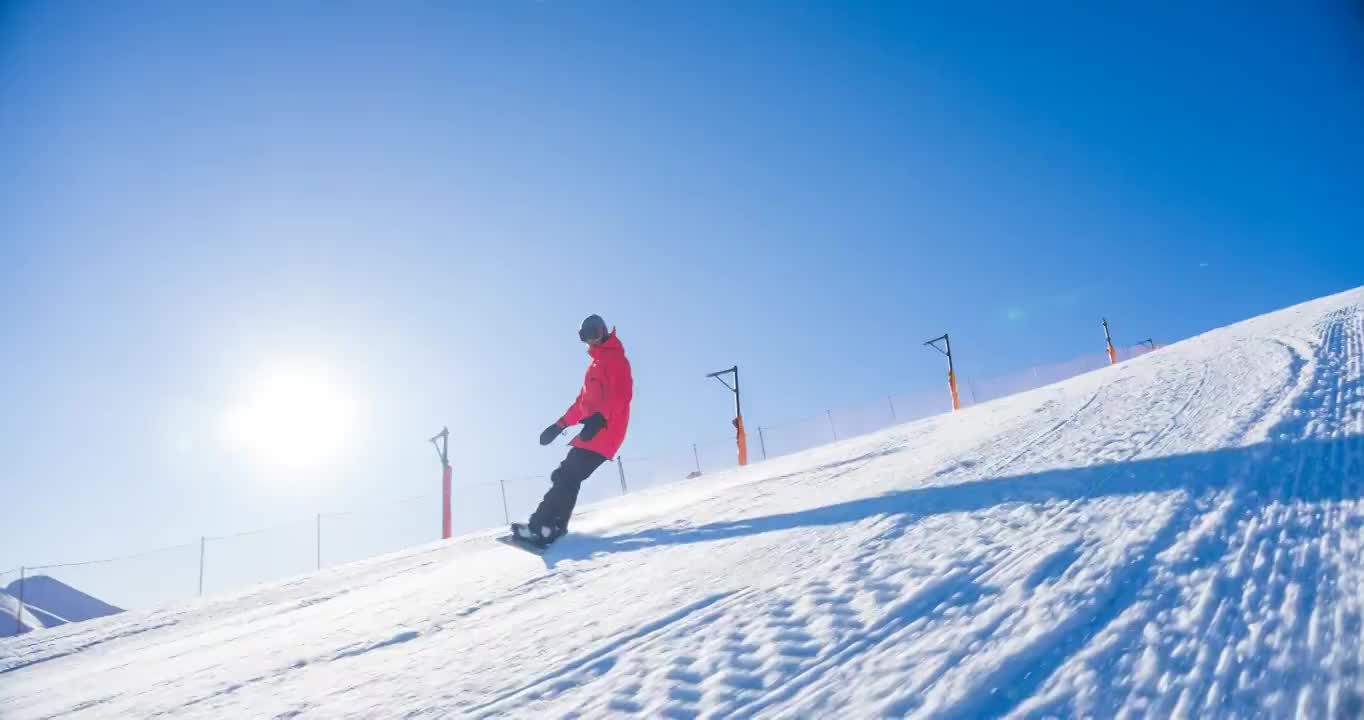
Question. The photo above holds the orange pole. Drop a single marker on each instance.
(445, 508)
(443, 450)
(742, 438)
(951, 371)
(1112, 354)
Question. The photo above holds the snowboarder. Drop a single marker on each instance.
(603, 409)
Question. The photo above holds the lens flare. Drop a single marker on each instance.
(291, 418)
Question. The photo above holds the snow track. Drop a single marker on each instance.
(1177, 536)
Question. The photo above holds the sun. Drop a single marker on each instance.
(291, 417)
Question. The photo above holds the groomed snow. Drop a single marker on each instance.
(1179, 535)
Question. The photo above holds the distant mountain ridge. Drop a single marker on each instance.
(47, 603)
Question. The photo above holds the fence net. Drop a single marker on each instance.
(381, 528)
(218, 563)
(147, 579)
(254, 556)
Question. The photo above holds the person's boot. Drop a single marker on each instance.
(536, 533)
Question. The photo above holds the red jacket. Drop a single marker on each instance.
(607, 389)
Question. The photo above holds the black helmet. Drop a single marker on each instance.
(593, 329)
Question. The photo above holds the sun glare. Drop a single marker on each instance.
(291, 418)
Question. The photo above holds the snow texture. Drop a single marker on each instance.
(1176, 536)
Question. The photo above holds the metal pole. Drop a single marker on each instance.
(319, 541)
(202, 542)
(762, 441)
(697, 455)
(506, 514)
(738, 409)
(19, 618)
(620, 465)
(831, 424)
(893, 417)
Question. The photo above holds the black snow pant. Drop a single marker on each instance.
(557, 507)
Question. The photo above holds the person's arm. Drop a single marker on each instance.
(622, 388)
(591, 400)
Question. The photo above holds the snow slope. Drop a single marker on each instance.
(1179, 535)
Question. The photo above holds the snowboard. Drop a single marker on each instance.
(526, 545)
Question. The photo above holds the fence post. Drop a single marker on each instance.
(832, 428)
(202, 542)
(894, 418)
(319, 541)
(697, 455)
(506, 514)
(19, 618)
(762, 441)
(620, 465)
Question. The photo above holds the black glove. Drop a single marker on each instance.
(591, 426)
(551, 432)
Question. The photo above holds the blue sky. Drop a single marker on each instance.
(420, 201)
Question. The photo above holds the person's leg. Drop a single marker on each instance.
(557, 506)
(585, 464)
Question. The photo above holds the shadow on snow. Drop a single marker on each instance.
(1302, 471)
